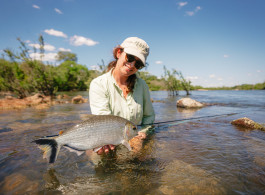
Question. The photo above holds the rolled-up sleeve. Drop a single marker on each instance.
(98, 98)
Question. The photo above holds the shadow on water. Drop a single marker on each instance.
(204, 156)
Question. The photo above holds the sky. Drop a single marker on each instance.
(214, 43)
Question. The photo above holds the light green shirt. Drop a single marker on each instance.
(106, 97)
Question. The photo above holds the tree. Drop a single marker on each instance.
(171, 81)
(25, 75)
(66, 56)
(71, 76)
(13, 78)
(185, 84)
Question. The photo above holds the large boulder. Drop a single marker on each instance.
(247, 123)
(189, 103)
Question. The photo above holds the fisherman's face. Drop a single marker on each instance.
(126, 68)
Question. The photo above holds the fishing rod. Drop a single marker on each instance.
(188, 119)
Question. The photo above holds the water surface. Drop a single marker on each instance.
(205, 156)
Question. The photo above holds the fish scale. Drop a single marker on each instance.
(97, 131)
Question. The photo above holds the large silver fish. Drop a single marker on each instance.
(95, 132)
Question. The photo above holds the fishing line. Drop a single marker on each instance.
(187, 119)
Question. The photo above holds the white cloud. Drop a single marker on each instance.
(79, 40)
(226, 56)
(62, 49)
(94, 67)
(55, 33)
(212, 76)
(182, 4)
(47, 47)
(259, 71)
(191, 13)
(58, 11)
(35, 6)
(198, 8)
(159, 62)
(50, 57)
(192, 78)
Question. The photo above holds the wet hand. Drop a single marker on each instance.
(141, 135)
(105, 149)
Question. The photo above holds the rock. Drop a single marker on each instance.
(12, 104)
(189, 103)
(17, 183)
(35, 99)
(182, 178)
(31, 101)
(59, 97)
(65, 96)
(79, 100)
(9, 97)
(42, 106)
(247, 123)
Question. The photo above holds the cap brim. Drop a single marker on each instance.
(136, 53)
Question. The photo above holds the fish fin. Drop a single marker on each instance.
(50, 148)
(50, 137)
(97, 149)
(61, 132)
(126, 144)
(78, 152)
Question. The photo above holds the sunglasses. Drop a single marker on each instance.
(138, 63)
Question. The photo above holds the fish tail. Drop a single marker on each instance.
(50, 147)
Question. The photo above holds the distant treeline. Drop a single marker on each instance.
(24, 75)
(258, 86)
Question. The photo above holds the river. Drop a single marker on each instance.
(203, 156)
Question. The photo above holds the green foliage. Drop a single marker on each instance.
(66, 56)
(13, 78)
(24, 75)
(186, 85)
(172, 83)
(92, 74)
(71, 76)
(258, 86)
(152, 81)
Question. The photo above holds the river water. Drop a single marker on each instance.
(203, 156)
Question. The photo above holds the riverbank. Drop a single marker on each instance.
(37, 101)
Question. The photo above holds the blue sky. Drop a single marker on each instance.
(212, 42)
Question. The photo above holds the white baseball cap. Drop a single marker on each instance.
(137, 47)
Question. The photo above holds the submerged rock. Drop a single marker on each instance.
(247, 123)
(17, 183)
(189, 103)
(181, 178)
